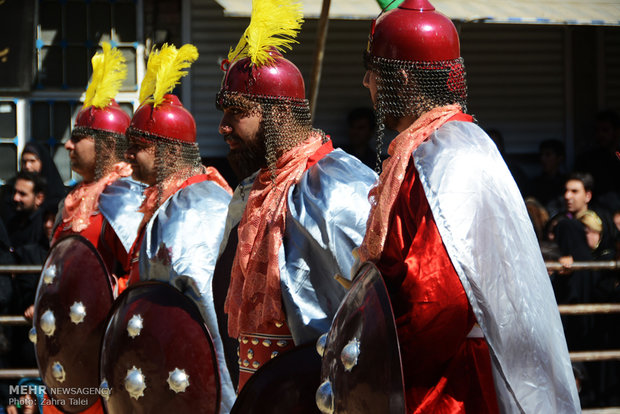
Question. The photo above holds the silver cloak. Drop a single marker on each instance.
(489, 237)
(119, 203)
(326, 220)
(180, 247)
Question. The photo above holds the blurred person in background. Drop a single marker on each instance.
(29, 246)
(36, 159)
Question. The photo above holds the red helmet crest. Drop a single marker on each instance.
(110, 118)
(414, 32)
(167, 120)
(280, 79)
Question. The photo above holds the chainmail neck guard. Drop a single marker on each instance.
(286, 121)
(172, 157)
(110, 148)
(409, 88)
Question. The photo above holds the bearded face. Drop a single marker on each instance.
(243, 131)
(245, 161)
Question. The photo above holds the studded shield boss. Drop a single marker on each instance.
(157, 355)
(71, 306)
(361, 370)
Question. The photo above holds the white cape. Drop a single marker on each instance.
(489, 237)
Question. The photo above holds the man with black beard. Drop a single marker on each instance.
(26, 231)
(246, 156)
(292, 224)
(29, 245)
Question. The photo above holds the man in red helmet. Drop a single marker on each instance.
(305, 208)
(103, 207)
(103, 210)
(184, 209)
(478, 326)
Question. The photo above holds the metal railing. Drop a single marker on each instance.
(20, 269)
(590, 265)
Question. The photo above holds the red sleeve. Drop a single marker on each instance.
(117, 255)
(430, 306)
(91, 233)
(443, 370)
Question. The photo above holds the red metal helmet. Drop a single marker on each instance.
(414, 32)
(281, 79)
(170, 120)
(110, 118)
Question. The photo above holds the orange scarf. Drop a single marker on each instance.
(171, 185)
(383, 195)
(254, 296)
(82, 202)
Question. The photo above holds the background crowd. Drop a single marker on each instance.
(575, 213)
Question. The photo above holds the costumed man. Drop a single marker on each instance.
(185, 203)
(103, 208)
(478, 327)
(306, 208)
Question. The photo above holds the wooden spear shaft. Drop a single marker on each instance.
(319, 52)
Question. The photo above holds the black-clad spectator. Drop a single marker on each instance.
(600, 236)
(36, 159)
(569, 234)
(26, 231)
(30, 245)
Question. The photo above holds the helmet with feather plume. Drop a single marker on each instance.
(256, 67)
(100, 111)
(161, 116)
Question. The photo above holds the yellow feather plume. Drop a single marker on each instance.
(171, 62)
(274, 24)
(109, 71)
(147, 87)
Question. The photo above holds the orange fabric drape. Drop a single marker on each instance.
(383, 195)
(254, 296)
